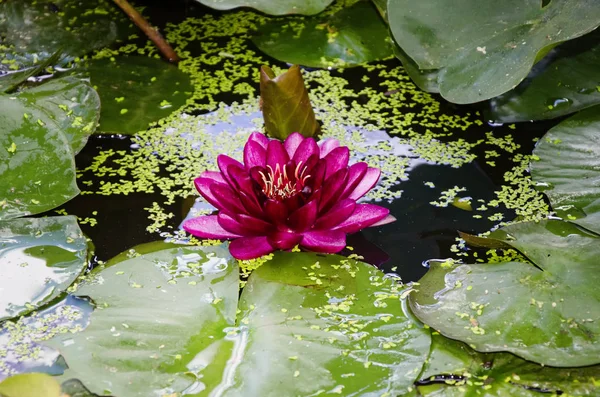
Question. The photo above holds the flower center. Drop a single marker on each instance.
(283, 182)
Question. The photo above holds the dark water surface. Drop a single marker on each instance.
(421, 232)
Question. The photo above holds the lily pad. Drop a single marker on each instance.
(454, 369)
(566, 81)
(163, 330)
(352, 36)
(30, 385)
(307, 324)
(272, 7)
(39, 259)
(427, 80)
(136, 91)
(13, 74)
(314, 324)
(568, 169)
(533, 310)
(71, 26)
(484, 49)
(37, 169)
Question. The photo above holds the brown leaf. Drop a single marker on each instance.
(285, 104)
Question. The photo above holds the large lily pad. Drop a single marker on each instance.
(39, 259)
(136, 91)
(163, 330)
(72, 26)
(485, 48)
(568, 169)
(352, 36)
(544, 312)
(314, 324)
(308, 324)
(30, 385)
(273, 7)
(14, 73)
(455, 370)
(566, 81)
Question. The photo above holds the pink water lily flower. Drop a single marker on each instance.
(286, 194)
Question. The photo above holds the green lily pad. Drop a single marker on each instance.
(500, 374)
(285, 103)
(136, 91)
(163, 330)
(567, 168)
(30, 385)
(566, 81)
(484, 49)
(39, 259)
(545, 311)
(323, 324)
(307, 324)
(71, 26)
(427, 80)
(272, 7)
(37, 169)
(352, 36)
(74, 388)
(13, 74)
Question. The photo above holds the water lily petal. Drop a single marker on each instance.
(254, 155)
(203, 185)
(214, 175)
(284, 240)
(241, 179)
(255, 224)
(307, 148)
(304, 217)
(243, 227)
(332, 188)
(276, 211)
(325, 241)
(336, 160)
(292, 142)
(226, 199)
(252, 205)
(276, 154)
(328, 145)
(367, 182)
(364, 215)
(207, 227)
(385, 221)
(250, 247)
(356, 173)
(336, 215)
(224, 162)
(259, 138)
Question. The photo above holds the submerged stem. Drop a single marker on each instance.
(150, 31)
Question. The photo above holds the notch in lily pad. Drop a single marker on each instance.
(285, 104)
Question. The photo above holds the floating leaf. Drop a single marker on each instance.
(323, 324)
(285, 104)
(10, 79)
(484, 49)
(37, 169)
(163, 330)
(455, 370)
(30, 385)
(70, 102)
(272, 7)
(74, 388)
(532, 310)
(71, 26)
(39, 259)
(352, 36)
(427, 80)
(567, 167)
(566, 81)
(136, 91)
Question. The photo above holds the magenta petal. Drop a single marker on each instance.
(254, 155)
(207, 227)
(276, 154)
(332, 188)
(328, 145)
(225, 162)
(255, 224)
(250, 203)
(325, 241)
(250, 247)
(336, 160)
(364, 215)
(385, 221)
(214, 175)
(304, 217)
(244, 225)
(259, 138)
(367, 182)
(336, 215)
(356, 173)
(241, 179)
(226, 198)
(276, 211)
(284, 240)
(292, 142)
(307, 148)
(203, 185)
